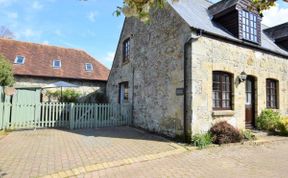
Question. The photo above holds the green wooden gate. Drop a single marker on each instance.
(25, 108)
(1, 106)
(26, 111)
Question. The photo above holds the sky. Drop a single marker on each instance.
(87, 25)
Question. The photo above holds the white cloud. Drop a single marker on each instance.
(92, 16)
(28, 33)
(6, 2)
(45, 42)
(58, 32)
(36, 5)
(12, 15)
(275, 16)
(110, 56)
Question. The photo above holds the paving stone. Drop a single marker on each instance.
(267, 160)
(49, 151)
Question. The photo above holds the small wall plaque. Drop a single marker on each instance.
(179, 91)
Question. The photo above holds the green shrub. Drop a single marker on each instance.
(100, 97)
(268, 120)
(202, 140)
(248, 135)
(282, 126)
(68, 95)
(223, 133)
(6, 74)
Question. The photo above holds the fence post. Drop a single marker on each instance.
(71, 116)
(130, 114)
(1, 115)
(96, 116)
(37, 115)
(6, 115)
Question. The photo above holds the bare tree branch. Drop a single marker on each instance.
(6, 33)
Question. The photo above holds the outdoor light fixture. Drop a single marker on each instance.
(242, 77)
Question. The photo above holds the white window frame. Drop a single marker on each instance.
(54, 66)
(249, 26)
(86, 67)
(16, 60)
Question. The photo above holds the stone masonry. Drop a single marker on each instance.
(156, 70)
(210, 55)
(156, 56)
(85, 87)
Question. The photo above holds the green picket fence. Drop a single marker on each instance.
(64, 115)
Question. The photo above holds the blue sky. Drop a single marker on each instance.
(86, 25)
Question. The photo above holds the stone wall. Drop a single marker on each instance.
(154, 72)
(210, 55)
(85, 87)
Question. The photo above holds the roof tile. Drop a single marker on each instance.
(39, 57)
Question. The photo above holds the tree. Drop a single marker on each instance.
(141, 8)
(6, 74)
(6, 33)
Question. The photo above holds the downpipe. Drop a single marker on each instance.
(188, 81)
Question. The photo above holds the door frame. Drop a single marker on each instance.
(254, 101)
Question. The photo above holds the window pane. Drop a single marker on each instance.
(221, 90)
(272, 95)
(249, 26)
(126, 50)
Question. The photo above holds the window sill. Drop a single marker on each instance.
(223, 113)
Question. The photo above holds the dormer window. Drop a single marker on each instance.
(56, 64)
(19, 60)
(249, 26)
(239, 17)
(88, 67)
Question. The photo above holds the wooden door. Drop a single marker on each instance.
(250, 103)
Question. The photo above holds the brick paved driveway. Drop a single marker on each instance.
(41, 152)
(244, 161)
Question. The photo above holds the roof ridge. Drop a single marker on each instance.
(46, 45)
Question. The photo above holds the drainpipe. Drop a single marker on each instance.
(133, 82)
(188, 82)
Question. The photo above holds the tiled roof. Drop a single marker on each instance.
(195, 13)
(39, 59)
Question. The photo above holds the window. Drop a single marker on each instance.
(19, 60)
(272, 93)
(249, 26)
(126, 50)
(123, 92)
(88, 67)
(56, 64)
(222, 91)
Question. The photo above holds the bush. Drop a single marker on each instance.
(282, 126)
(268, 120)
(95, 97)
(68, 95)
(248, 135)
(6, 74)
(202, 140)
(223, 132)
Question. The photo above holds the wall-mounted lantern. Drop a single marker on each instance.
(242, 77)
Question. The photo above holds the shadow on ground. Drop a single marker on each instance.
(119, 132)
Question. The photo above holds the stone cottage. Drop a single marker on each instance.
(198, 63)
(36, 65)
